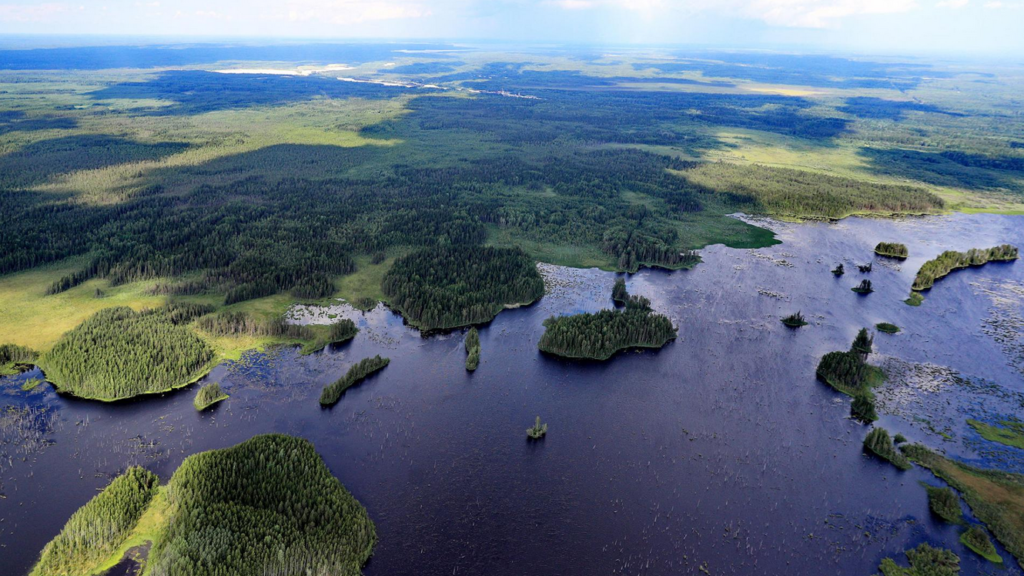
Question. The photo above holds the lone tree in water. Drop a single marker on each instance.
(472, 349)
(795, 320)
(839, 270)
(862, 343)
(864, 287)
(538, 430)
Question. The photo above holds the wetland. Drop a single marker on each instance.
(660, 460)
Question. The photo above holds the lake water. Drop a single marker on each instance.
(719, 451)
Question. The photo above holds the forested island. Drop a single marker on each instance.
(892, 250)
(120, 353)
(458, 286)
(266, 506)
(359, 371)
(598, 336)
(849, 373)
(937, 268)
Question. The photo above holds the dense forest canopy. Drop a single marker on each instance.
(266, 506)
(456, 286)
(283, 509)
(600, 335)
(97, 529)
(119, 353)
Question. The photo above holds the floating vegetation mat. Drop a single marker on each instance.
(24, 432)
(1005, 322)
(937, 402)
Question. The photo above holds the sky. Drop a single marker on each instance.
(994, 27)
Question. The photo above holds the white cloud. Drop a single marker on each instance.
(353, 11)
(635, 5)
(30, 13)
(953, 3)
(795, 13)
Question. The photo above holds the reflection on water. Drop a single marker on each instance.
(719, 451)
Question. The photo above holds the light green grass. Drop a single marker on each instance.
(1011, 433)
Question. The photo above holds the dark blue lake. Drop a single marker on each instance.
(719, 451)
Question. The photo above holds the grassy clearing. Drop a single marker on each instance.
(364, 285)
(30, 318)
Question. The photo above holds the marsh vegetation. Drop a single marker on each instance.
(995, 497)
(880, 444)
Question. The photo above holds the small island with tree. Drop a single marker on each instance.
(795, 320)
(839, 270)
(537, 431)
(848, 372)
(472, 349)
(209, 395)
(880, 444)
(892, 250)
(863, 288)
(976, 539)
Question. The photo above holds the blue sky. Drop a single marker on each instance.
(905, 26)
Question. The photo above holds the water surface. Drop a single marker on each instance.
(719, 451)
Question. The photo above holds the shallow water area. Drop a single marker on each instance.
(720, 451)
